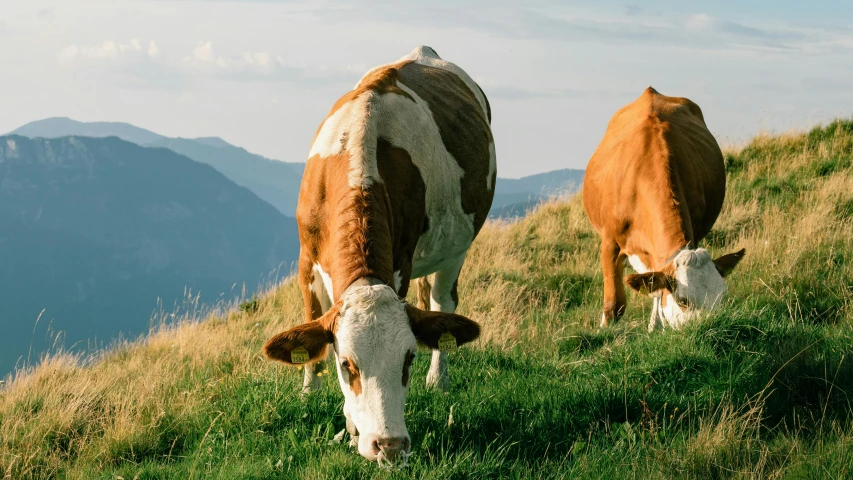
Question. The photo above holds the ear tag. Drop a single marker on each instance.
(446, 342)
(299, 355)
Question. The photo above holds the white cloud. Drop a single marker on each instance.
(262, 59)
(700, 21)
(203, 54)
(107, 50)
(153, 51)
(69, 54)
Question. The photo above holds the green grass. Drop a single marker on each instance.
(759, 389)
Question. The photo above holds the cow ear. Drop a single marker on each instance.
(649, 282)
(727, 263)
(304, 343)
(428, 327)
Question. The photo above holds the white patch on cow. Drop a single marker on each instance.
(351, 129)
(375, 335)
(698, 285)
(398, 280)
(699, 282)
(637, 264)
(322, 287)
(412, 128)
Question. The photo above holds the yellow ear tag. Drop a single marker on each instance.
(299, 355)
(446, 342)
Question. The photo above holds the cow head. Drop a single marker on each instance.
(692, 282)
(374, 335)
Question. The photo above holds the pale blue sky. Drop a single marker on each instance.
(263, 74)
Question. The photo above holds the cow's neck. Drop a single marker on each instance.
(361, 239)
(671, 221)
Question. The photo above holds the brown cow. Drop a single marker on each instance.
(653, 189)
(399, 181)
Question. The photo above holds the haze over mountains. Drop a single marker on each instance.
(101, 219)
(95, 230)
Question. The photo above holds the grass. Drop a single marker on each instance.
(759, 389)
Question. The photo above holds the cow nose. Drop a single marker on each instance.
(392, 448)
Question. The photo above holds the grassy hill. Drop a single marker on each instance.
(759, 389)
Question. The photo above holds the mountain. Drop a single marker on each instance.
(95, 230)
(273, 181)
(64, 127)
(514, 197)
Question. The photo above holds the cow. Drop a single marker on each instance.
(653, 189)
(399, 181)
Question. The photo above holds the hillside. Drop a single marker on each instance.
(759, 389)
(95, 231)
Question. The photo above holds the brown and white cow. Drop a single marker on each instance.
(653, 189)
(399, 180)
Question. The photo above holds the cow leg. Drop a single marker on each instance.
(317, 302)
(612, 266)
(443, 298)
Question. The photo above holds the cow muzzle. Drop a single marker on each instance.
(390, 452)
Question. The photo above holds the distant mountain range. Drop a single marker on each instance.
(278, 182)
(274, 181)
(94, 230)
(514, 197)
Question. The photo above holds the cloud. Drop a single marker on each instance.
(262, 65)
(136, 63)
(108, 50)
(705, 23)
(203, 55)
(548, 20)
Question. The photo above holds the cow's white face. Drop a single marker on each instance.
(374, 350)
(375, 336)
(698, 286)
(692, 283)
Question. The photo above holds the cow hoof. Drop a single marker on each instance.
(605, 322)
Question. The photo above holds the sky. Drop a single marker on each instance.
(262, 74)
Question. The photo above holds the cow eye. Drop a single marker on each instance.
(345, 364)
